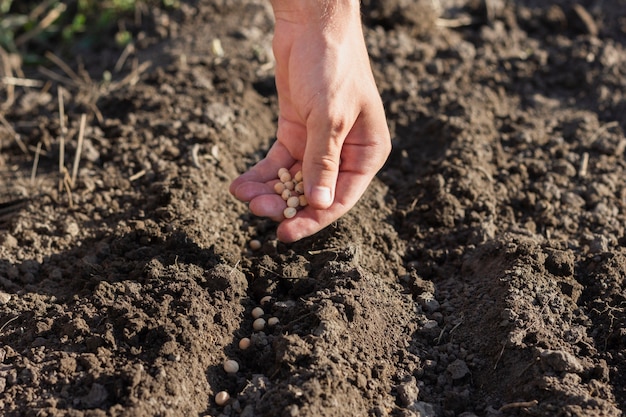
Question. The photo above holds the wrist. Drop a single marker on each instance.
(325, 13)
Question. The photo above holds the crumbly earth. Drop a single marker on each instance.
(483, 273)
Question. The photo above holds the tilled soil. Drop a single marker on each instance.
(483, 273)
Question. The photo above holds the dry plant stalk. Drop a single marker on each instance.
(79, 148)
(33, 173)
(61, 137)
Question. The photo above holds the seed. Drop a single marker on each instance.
(290, 185)
(231, 366)
(299, 188)
(289, 212)
(286, 194)
(298, 176)
(281, 171)
(279, 187)
(244, 343)
(266, 299)
(303, 201)
(257, 312)
(258, 325)
(272, 321)
(221, 398)
(284, 177)
(293, 201)
(255, 244)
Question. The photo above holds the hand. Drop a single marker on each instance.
(331, 120)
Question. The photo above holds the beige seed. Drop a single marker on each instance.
(293, 201)
(258, 324)
(279, 187)
(289, 212)
(244, 343)
(298, 176)
(299, 188)
(257, 312)
(272, 321)
(303, 201)
(231, 366)
(281, 171)
(266, 299)
(285, 177)
(255, 244)
(221, 398)
(290, 185)
(286, 194)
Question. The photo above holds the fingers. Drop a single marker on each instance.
(264, 171)
(322, 156)
(310, 220)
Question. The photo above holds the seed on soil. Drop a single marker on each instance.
(258, 324)
(244, 343)
(255, 244)
(231, 366)
(290, 212)
(257, 312)
(272, 321)
(266, 299)
(221, 398)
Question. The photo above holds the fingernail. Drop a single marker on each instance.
(321, 195)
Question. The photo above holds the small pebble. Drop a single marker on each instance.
(231, 366)
(257, 312)
(244, 343)
(290, 212)
(255, 244)
(259, 324)
(272, 321)
(221, 398)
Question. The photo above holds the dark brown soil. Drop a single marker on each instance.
(483, 274)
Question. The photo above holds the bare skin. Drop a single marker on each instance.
(331, 120)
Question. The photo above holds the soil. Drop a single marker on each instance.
(482, 274)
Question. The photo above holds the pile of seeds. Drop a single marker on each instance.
(291, 189)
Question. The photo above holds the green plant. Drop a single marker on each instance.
(39, 25)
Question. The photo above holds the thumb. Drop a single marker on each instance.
(320, 166)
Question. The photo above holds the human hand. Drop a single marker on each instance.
(331, 120)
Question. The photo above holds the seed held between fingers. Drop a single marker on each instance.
(293, 201)
(290, 212)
